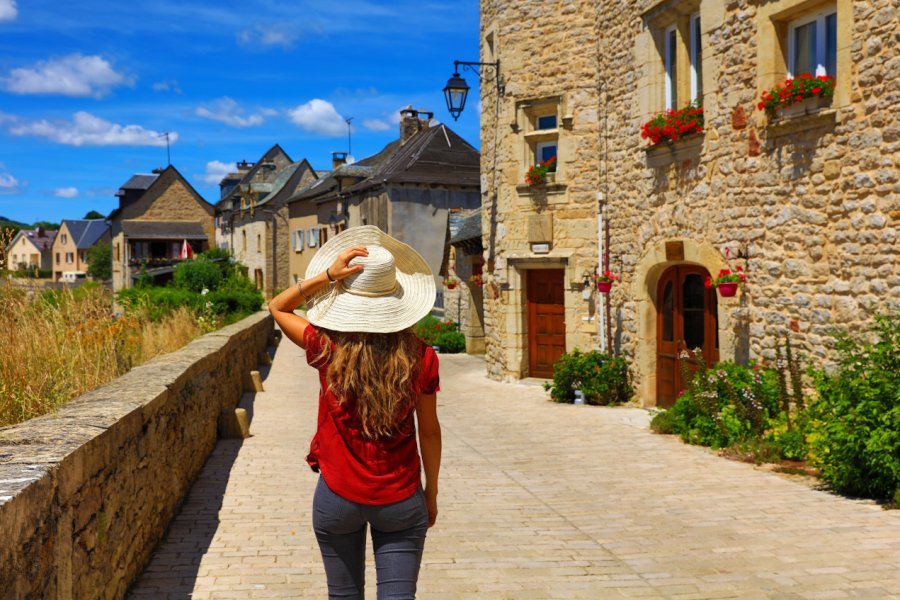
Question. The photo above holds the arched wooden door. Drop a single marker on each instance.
(687, 319)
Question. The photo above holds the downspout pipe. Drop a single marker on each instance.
(601, 298)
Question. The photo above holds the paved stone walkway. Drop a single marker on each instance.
(537, 500)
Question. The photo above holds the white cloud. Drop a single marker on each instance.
(283, 35)
(73, 75)
(8, 182)
(170, 85)
(215, 171)
(376, 125)
(88, 130)
(226, 110)
(66, 192)
(8, 10)
(319, 116)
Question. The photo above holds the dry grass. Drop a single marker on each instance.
(64, 344)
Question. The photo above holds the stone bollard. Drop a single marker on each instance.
(253, 383)
(233, 424)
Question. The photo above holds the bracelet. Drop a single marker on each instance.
(328, 275)
(300, 289)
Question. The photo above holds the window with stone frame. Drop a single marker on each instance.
(805, 36)
(538, 123)
(677, 78)
(812, 43)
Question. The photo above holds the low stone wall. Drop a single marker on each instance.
(87, 493)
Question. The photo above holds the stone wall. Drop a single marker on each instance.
(810, 205)
(87, 493)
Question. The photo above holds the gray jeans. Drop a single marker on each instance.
(398, 537)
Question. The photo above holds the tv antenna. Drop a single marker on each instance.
(165, 134)
(349, 146)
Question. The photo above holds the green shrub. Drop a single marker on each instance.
(444, 334)
(197, 275)
(602, 378)
(235, 303)
(158, 301)
(663, 422)
(855, 431)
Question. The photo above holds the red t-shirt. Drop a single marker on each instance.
(367, 471)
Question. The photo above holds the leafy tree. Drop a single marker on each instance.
(94, 215)
(99, 260)
(46, 225)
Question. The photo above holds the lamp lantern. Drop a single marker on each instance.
(455, 92)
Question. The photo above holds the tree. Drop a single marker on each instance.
(46, 225)
(99, 260)
(94, 215)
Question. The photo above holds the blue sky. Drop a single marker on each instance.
(87, 86)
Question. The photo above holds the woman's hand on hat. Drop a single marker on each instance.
(341, 268)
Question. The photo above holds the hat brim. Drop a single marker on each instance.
(338, 310)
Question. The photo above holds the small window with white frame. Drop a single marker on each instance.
(671, 63)
(812, 44)
(696, 58)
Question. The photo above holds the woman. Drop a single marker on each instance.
(363, 291)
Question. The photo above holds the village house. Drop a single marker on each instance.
(805, 201)
(160, 215)
(71, 246)
(252, 216)
(31, 249)
(408, 189)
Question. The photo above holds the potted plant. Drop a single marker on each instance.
(538, 174)
(451, 282)
(673, 125)
(604, 282)
(475, 281)
(727, 281)
(801, 95)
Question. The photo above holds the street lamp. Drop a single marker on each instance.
(456, 90)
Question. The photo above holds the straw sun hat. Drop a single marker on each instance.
(393, 291)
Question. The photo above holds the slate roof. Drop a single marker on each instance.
(469, 229)
(41, 242)
(164, 230)
(86, 232)
(435, 156)
(139, 182)
(249, 175)
(363, 168)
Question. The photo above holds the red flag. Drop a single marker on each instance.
(186, 250)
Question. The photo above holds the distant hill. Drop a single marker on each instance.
(10, 224)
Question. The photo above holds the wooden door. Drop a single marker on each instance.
(687, 320)
(546, 320)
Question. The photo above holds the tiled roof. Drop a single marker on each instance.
(164, 230)
(86, 232)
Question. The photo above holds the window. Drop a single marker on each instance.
(812, 44)
(117, 252)
(258, 243)
(297, 240)
(57, 258)
(671, 60)
(696, 56)
(323, 235)
(546, 122)
(65, 239)
(244, 242)
(544, 151)
(70, 258)
(312, 237)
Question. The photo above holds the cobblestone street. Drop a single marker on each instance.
(537, 500)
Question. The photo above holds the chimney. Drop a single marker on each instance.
(411, 124)
(338, 159)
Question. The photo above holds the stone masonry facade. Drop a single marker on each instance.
(808, 206)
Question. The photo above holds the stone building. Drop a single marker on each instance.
(252, 216)
(408, 190)
(157, 214)
(71, 246)
(807, 205)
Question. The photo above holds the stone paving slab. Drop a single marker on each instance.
(538, 500)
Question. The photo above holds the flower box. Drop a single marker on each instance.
(807, 106)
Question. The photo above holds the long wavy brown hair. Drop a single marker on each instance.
(376, 371)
